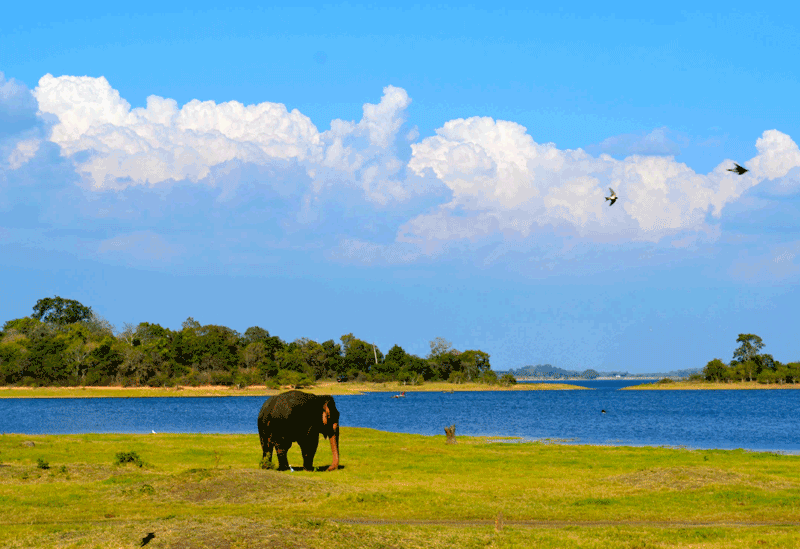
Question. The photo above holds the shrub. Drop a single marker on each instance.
(665, 380)
(42, 464)
(290, 377)
(129, 457)
(457, 377)
(508, 379)
(489, 377)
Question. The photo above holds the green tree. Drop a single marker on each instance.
(255, 333)
(60, 311)
(29, 327)
(474, 363)
(766, 362)
(750, 346)
(333, 356)
(359, 356)
(45, 361)
(395, 359)
(715, 370)
(792, 372)
(206, 348)
(13, 351)
(105, 360)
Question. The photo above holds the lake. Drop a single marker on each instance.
(764, 420)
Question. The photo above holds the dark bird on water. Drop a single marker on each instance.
(738, 169)
(613, 197)
(602, 411)
(147, 538)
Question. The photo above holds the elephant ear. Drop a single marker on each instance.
(326, 413)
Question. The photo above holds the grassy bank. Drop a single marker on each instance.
(392, 490)
(324, 387)
(710, 386)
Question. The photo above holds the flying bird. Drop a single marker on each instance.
(147, 538)
(613, 197)
(738, 169)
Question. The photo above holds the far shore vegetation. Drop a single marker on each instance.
(323, 387)
(748, 369)
(391, 490)
(64, 343)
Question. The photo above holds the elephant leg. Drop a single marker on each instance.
(268, 451)
(309, 449)
(283, 461)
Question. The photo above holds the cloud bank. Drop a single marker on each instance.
(371, 188)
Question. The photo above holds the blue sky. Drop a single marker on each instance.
(405, 173)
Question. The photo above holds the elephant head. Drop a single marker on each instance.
(330, 428)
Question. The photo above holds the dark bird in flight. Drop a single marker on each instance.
(147, 538)
(602, 411)
(613, 197)
(738, 169)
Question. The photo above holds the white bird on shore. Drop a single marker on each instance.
(613, 197)
(152, 431)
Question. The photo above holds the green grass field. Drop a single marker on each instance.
(392, 490)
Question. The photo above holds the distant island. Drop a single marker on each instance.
(748, 365)
(548, 372)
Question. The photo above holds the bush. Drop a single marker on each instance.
(42, 464)
(290, 377)
(457, 377)
(508, 379)
(665, 380)
(489, 377)
(768, 376)
(129, 457)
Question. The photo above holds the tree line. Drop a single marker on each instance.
(66, 343)
(749, 364)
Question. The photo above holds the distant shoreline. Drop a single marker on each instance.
(326, 387)
(529, 378)
(710, 386)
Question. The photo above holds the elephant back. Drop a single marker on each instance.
(289, 405)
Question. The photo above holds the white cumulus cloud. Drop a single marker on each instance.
(503, 181)
(164, 142)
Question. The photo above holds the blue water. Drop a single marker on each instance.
(753, 419)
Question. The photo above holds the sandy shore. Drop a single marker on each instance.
(325, 387)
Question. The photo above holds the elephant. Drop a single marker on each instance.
(295, 416)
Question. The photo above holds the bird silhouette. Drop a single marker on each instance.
(147, 538)
(602, 411)
(738, 169)
(613, 197)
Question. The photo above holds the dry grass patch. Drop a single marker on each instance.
(678, 478)
(247, 486)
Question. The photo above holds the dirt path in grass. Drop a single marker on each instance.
(564, 523)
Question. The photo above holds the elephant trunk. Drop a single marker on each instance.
(335, 448)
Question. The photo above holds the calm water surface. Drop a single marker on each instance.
(752, 419)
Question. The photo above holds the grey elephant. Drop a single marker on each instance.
(299, 417)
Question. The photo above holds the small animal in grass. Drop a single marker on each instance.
(613, 197)
(147, 539)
